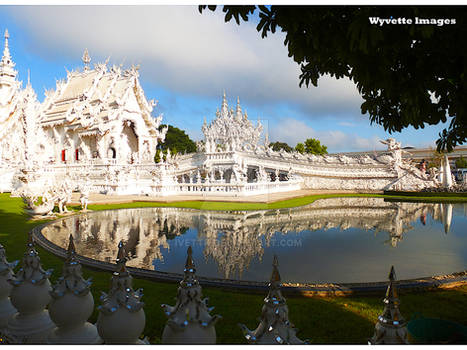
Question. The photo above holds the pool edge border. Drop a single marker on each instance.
(302, 289)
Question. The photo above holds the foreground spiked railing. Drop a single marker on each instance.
(72, 304)
(274, 327)
(121, 318)
(30, 295)
(189, 321)
(391, 326)
(6, 272)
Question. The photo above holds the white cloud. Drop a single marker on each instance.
(293, 131)
(350, 125)
(186, 52)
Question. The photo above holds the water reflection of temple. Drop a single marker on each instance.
(234, 238)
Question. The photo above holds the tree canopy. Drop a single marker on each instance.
(313, 146)
(177, 141)
(300, 148)
(407, 74)
(277, 146)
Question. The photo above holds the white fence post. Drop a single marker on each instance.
(391, 327)
(121, 318)
(72, 304)
(6, 272)
(30, 295)
(189, 320)
(274, 327)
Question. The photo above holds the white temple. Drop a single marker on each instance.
(95, 133)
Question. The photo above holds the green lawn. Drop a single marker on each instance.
(288, 203)
(348, 320)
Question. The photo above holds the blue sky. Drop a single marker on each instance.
(186, 61)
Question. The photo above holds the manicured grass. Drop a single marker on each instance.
(288, 203)
(348, 320)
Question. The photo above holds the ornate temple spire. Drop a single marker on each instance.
(6, 49)
(391, 325)
(86, 60)
(238, 113)
(274, 327)
(7, 73)
(225, 106)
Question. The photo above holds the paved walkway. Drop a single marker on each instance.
(263, 198)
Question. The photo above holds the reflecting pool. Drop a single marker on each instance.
(330, 240)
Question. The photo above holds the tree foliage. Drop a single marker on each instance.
(300, 148)
(313, 146)
(461, 162)
(277, 146)
(177, 141)
(408, 75)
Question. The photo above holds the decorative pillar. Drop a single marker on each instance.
(6, 272)
(274, 327)
(189, 320)
(72, 304)
(30, 295)
(391, 326)
(121, 317)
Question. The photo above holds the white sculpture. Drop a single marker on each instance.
(391, 325)
(72, 304)
(189, 320)
(6, 273)
(84, 199)
(447, 175)
(275, 327)
(121, 316)
(45, 208)
(30, 295)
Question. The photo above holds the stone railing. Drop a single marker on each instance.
(32, 311)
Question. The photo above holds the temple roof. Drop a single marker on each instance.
(93, 98)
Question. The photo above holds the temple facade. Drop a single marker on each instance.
(95, 133)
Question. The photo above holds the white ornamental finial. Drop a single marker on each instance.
(391, 327)
(275, 327)
(189, 321)
(121, 316)
(86, 59)
(6, 272)
(71, 296)
(30, 296)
